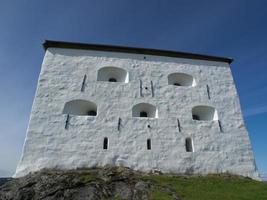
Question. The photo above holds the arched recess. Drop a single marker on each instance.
(113, 74)
(80, 107)
(204, 113)
(145, 110)
(181, 79)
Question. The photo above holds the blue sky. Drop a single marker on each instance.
(233, 28)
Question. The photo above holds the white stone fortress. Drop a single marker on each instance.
(146, 109)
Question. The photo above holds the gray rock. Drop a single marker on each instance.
(82, 184)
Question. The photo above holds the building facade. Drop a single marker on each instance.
(146, 109)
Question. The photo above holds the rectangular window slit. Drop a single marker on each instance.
(83, 83)
(208, 91)
(148, 142)
(179, 125)
(141, 93)
(189, 145)
(152, 89)
(105, 143)
(67, 122)
(119, 124)
(220, 125)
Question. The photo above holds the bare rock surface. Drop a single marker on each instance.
(81, 184)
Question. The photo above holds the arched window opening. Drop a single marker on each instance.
(143, 114)
(148, 144)
(80, 107)
(105, 143)
(144, 110)
(204, 113)
(112, 80)
(181, 79)
(113, 74)
(189, 145)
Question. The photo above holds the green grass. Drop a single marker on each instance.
(115, 198)
(210, 187)
(86, 178)
(159, 195)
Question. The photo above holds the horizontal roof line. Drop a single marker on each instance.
(157, 52)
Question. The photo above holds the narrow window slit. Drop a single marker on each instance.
(188, 145)
(148, 143)
(105, 143)
(152, 88)
(208, 91)
(179, 125)
(141, 85)
(83, 83)
(67, 122)
(220, 125)
(119, 124)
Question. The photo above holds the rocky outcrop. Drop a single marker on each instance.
(82, 184)
(4, 180)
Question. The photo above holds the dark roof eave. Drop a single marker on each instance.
(71, 45)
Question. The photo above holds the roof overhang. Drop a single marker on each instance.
(157, 52)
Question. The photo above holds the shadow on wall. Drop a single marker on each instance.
(145, 110)
(112, 74)
(204, 113)
(80, 107)
(181, 79)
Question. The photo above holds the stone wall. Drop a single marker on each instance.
(50, 145)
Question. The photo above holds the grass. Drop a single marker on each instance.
(86, 178)
(159, 195)
(210, 187)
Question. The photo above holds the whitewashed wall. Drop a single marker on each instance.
(49, 145)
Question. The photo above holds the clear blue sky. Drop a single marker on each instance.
(234, 28)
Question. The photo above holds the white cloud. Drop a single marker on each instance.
(255, 111)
